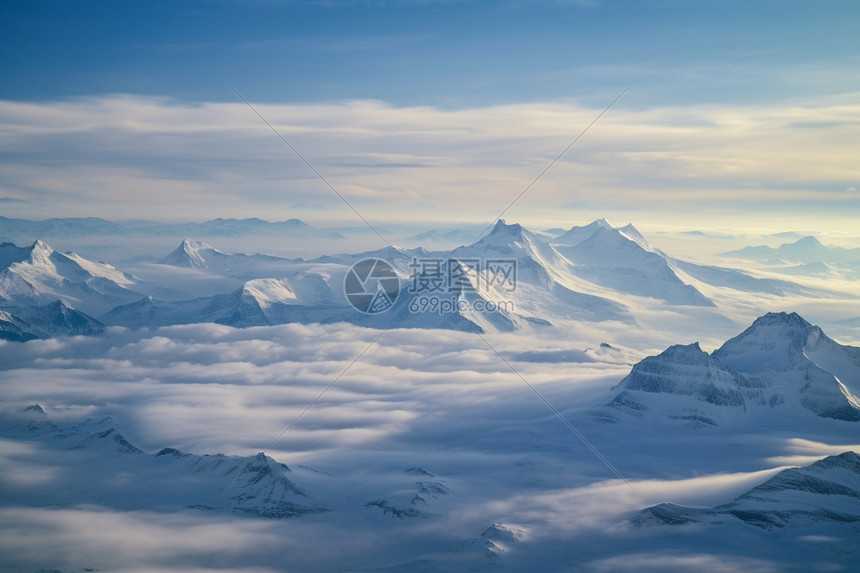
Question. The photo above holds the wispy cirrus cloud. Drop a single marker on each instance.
(120, 155)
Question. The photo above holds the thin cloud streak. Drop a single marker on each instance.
(152, 157)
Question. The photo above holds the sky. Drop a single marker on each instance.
(735, 113)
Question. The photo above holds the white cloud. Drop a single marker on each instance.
(668, 562)
(431, 399)
(90, 537)
(134, 156)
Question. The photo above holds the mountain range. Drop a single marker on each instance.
(806, 256)
(57, 228)
(591, 273)
(108, 469)
(807, 249)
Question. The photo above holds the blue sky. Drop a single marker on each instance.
(448, 53)
(83, 82)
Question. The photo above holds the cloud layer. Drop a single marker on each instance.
(129, 156)
(440, 401)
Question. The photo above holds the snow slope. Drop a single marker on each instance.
(38, 275)
(825, 492)
(194, 254)
(601, 278)
(575, 235)
(312, 291)
(623, 261)
(547, 287)
(767, 372)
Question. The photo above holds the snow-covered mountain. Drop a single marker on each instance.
(258, 302)
(101, 466)
(577, 234)
(37, 275)
(417, 491)
(825, 492)
(21, 323)
(781, 368)
(546, 284)
(194, 254)
(597, 277)
(262, 302)
(266, 302)
(312, 291)
(516, 242)
(739, 281)
(792, 356)
(473, 305)
(621, 259)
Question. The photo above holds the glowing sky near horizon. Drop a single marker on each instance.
(739, 113)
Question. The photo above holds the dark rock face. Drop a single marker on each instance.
(689, 371)
(772, 364)
(22, 323)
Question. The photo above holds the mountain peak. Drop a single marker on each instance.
(634, 235)
(193, 245)
(610, 239)
(502, 227)
(503, 238)
(295, 223)
(776, 341)
(514, 241)
(848, 460)
(64, 318)
(807, 241)
(36, 410)
(576, 235)
(40, 252)
(61, 306)
(188, 254)
(685, 354)
(804, 249)
(683, 370)
(788, 319)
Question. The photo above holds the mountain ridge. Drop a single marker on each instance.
(824, 492)
(256, 485)
(57, 228)
(764, 369)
